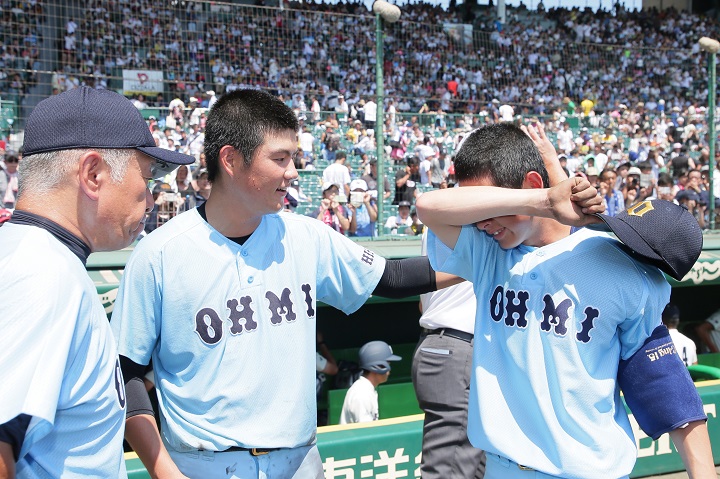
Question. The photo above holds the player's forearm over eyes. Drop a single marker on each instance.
(446, 211)
(7, 461)
(468, 205)
(143, 436)
(693, 444)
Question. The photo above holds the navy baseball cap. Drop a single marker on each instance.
(88, 118)
(660, 232)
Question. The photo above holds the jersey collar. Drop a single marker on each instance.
(74, 244)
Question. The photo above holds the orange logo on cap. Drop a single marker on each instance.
(640, 208)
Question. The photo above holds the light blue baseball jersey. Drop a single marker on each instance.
(551, 327)
(58, 362)
(231, 329)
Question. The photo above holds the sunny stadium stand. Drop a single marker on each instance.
(614, 88)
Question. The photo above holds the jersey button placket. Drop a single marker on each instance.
(534, 275)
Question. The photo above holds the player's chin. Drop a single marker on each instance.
(508, 242)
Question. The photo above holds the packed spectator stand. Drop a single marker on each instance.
(612, 88)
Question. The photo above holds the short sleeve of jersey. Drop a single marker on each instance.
(39, 352)
(645, 303)
(458, 261)
(347, 273)
(137, 310)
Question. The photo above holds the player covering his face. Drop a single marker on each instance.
(554, 345)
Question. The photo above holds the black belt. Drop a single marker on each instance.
(254, 451)
(452, 333)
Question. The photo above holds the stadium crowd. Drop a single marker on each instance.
(534, 61)
(20, 40)
(617, 90)
(630, 154)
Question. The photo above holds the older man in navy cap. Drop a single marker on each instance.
(83, 187)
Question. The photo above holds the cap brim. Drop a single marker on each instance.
(394, 357)
(165, 160)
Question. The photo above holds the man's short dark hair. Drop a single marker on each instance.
(413, 161)
(502, 153)
(241, 119)
(340, 154)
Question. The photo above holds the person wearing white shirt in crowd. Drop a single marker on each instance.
(361, 401)
(338, 174)
(370, 110)
(709, 333)
(565, 138)
(315, 109)
(195, 141)
(212, 98)
(685, 347)
(307, 140)
(196, 111)
(506, 113)
(425, 167)
(426, 154)
(401, 223)
(342, 109)
(391, 113)
(139, 102)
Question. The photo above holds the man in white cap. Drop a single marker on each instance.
(363, 209)
(196, 111)
(211, 98)
(342, 109)
(361, 401)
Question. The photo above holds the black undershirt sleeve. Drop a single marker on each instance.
(138, 401)
(13, 433)
(406, 277)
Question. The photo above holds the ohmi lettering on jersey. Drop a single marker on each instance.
(512, 307)
(241, 315)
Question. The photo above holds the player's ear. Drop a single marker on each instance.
(533, 180)
(230, 160)
(92, 172)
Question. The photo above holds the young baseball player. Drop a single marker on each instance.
(361, 400)
(554, 343)
(442, 360)
(234, 355)
(83, 187)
